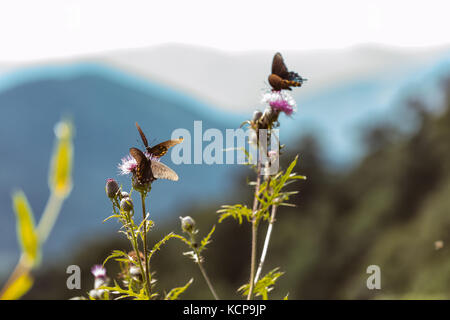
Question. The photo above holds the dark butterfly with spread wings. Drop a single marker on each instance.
(148, 170)
(281, 78)
(160, 149)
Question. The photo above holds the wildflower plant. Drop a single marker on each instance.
(136, 279)
(269, 195)
(270, 192)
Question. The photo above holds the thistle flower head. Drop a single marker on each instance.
(128, 164)
(100, 279)
(280, 101)
(98, 271)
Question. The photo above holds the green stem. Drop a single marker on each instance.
(254, 230)
(147, 271)
(136, 250)
(203, 271)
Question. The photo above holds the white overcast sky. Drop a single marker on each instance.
(34, 30)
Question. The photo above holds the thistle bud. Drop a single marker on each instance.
(111, 188)
(126, 204)
(187, 224)
(124, 195)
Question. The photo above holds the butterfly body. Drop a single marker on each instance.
(279, 83)
(281, 78)
(143, 171)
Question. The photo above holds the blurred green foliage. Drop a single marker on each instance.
(30, 236)
(387, 211)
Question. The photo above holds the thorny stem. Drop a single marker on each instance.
(203, 271)
(147, 272)
(136, 249)
(266, 242)
(254, 229)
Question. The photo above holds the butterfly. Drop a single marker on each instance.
(281, 78)
(160, 149)
(148, 170)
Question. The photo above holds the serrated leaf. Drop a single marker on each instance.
(124, 292)
(206, 239)
(264, 285)
(116, 254)
(175, 292)
(238, 212)
(26, 230)
(158, 245)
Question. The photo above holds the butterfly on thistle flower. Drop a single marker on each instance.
(281, 78)
(148, 168)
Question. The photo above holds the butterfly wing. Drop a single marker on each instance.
(143, 169)
(294, 76)
(161, 171)
(143, 137)
(161, 149)
(278, 66)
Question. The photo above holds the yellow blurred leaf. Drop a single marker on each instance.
(18, 288)
(60, 178)
(26, 231)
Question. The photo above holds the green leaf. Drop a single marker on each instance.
(125, 293)
(264, 285)
(26, 231)
(237, 211)
(158, 245)
(113, 216)
(270, 192)
(116, 254)
(175, 292)
(206, 240)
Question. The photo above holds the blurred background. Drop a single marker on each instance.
(372, 131)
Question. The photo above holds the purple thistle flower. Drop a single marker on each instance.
(280, 101)
(128, 163)
(98, 271)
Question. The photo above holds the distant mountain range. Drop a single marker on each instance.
(104, 110)
(233, 80)
(169, 87)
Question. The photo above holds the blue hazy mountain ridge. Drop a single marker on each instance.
(104, 111)
(104, 104)
(339, 115)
